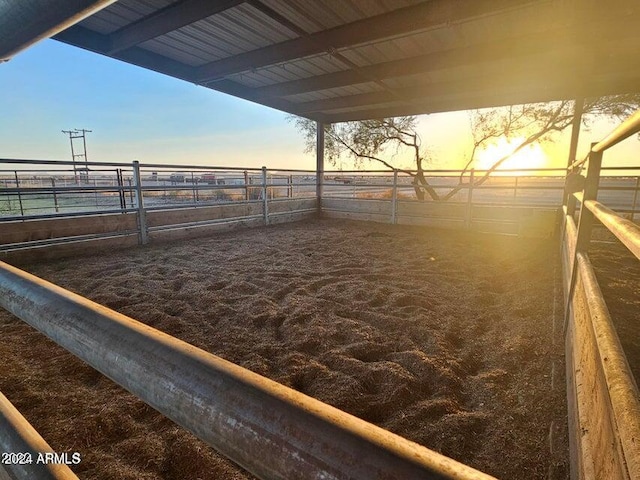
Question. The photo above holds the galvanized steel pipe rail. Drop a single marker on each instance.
(269, 429)
(17, 435)
(625, 404)
(627, 128)
(625, 230)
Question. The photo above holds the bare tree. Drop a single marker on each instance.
(370, 139)
(534, 123)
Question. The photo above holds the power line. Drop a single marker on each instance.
(79, 171)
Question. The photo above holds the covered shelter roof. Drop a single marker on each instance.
(341, 60)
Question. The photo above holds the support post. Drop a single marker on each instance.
(121, 194)
(575, 129)
(319, 164)
(585, 223)
(394, 198)
(194, 194)
(19, 194)
(55, 196)
(246, 186)
(469, 212)
(264, 196)
(635, 199)
(142, 214)
(578, 109)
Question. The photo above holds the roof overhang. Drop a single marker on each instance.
(356, 59)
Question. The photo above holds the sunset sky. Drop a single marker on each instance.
(139, 114)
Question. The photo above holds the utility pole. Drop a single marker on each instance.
(82, 171)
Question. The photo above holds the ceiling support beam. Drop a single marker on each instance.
(508, 48)
(524, 71)
(22, 24)
(489, 98)
(578, 108)
(425, 15)
(90, 40)
(170, 18)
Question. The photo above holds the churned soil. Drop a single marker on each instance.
(450, 339)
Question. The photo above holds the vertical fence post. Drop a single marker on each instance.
(635, 199)
(585, 223)
(19, 194)
(193, 189)
(246, 186)
(515, 189)
(123, 200)
(142, 214)
(394, 198)
(290, 187)
(264, 196)
(469, 212)
(130, 192)
(55, 196)
(319, 164)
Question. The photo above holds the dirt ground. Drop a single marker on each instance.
(445, 338)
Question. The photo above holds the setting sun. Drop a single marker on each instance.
(531, 156)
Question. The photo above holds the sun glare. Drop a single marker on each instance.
(531, 156)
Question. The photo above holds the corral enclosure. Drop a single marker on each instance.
(450, 339)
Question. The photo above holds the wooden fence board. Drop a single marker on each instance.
(431, 209)
(431, 221)
(42, 229)
(196, 231)
(156, 218)
(288, 205)
(68, 249)
(367, 217)
(379, 207)
(291, 217)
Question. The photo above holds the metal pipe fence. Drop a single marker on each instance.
(111, 187)
(25, 447)
(40, 192)
(621, 192)
(271, 430)
(604, 403)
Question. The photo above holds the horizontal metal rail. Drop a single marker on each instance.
(204, 223)
(272, 431)
(458, 171)
(19, 437)
(21, 161)
(85, 213)
(621, 385)
(63, 240)
(63, 190)
(627, 128)
(625, 230)
(578, 163)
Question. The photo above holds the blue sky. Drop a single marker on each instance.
(133, 114)
(139, 114)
